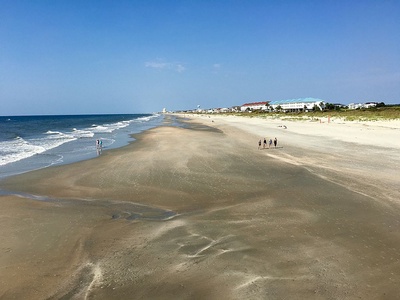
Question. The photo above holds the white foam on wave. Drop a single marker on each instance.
(18, 148)
(53, 132)
(82, 133)
(146, 119)
(57, 161)
(108, 128)
(11, 150)
(100, 129)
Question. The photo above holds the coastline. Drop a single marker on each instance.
(198, 212)
(30, 143)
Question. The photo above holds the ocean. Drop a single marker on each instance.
(34, 142)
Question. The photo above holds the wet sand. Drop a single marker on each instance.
(197, 212)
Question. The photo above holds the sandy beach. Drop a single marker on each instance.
(197, 211)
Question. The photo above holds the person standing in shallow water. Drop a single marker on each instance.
(275, 142)
(270, 143)
(259, 144)
(265, 143)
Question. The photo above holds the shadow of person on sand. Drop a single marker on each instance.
(272, 148)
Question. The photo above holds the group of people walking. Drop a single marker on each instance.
(269, 143)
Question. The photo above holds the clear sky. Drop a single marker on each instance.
(76, 57)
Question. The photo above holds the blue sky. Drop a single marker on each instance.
(76, 57)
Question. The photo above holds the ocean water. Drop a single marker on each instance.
(33, 142)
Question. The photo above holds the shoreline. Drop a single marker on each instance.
(313, 218)
(60, 140)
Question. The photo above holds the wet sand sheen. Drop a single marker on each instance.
(247, 225)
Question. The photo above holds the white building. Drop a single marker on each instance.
(370, 104)
(362, 105)
(301, 104)
(355, 105)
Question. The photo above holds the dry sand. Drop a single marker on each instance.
(197, 212)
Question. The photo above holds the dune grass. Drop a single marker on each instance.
(370, 114)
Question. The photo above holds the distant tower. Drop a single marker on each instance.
(164, 110)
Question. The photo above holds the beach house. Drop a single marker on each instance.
(370, 104)
(362, 105)
(355, 105)
(297, 105)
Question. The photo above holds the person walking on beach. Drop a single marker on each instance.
(270, 143)
(275, 142)
(259, 144)
(265, 143)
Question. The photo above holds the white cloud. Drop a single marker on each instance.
(217, 66)
(157, 64)
(180, 68)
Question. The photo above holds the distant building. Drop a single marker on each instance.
(300, 104)
(370, 104)
(218, 110)
(164, 110)
(362, 105)
(355, 105)
(235, 109)
(254, 106)
(339, 105)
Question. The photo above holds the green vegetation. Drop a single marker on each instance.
(367, 114)
(364, 114)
